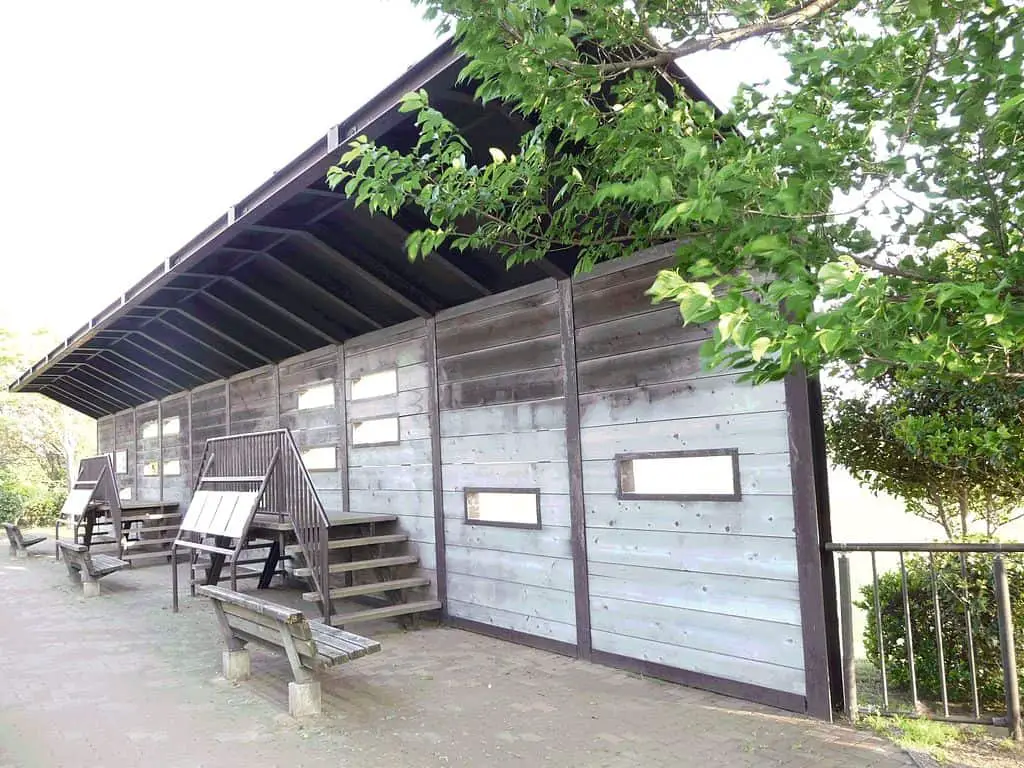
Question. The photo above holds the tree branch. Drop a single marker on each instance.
(794, 17)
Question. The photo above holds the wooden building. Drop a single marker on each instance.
(568, 475)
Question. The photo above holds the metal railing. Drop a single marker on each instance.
(944, 608)
(290, 495)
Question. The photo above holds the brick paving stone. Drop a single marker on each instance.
(122, 681)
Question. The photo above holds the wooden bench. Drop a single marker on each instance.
(310, 647)
(19, 542)
(90, 568)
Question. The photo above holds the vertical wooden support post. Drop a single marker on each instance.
(135, 454)
(574, 457)
(276, 370)
(846, 619)
(808, 547)
(1006, 647)
(191, 452)
(227, 406)
(436, 474)
(341, 393)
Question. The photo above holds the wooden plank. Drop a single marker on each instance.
(298, 629)
(659, 328)
(537, 317)
(417, 503)
(502, 419)
(262, 607)
(680, 362)
(552, 477)
(523, 446)
(700, 630)
(728, 554)
(250, 630)
(550, 541)
(516, 568)
(752, 516)
(407, 453)
(544, 603)
(396, 334)
(704, 662)
(647, 261)
(528, 355)
(525, 297)
(507, 388)
(708, 396)
(625, 298)
(407, 403)
(755, 433)
(410, 478)
(762, 599)
(398, 355)
(518, 622)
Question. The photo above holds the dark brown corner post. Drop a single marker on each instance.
(437, 479)
(800, 420)
(577, 507)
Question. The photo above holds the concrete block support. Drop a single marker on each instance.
(304, 699)
(237, 664)
(90, 588)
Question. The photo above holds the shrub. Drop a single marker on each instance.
(952, 600)
(43, 506)
(12, 497)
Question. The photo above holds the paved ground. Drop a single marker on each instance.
(121, 681)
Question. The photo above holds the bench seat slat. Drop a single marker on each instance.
(353, 649)
(372, 646)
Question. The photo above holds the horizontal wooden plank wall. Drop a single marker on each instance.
(124, 441)
(174, 448)
(395, 479)
(502, 424)
(209, 419)
(708, 587)
(252, 401)
(105, 433)
(147, 452)
(317, 427)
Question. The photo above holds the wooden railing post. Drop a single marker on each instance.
(846, 620)
(1006, 646)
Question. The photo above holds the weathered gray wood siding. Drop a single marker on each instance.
(502, 422)
(395, 479)
(174, 448)
(314, 427)
(105, 435)
(708, 586)
(147, 452)
(124, 440)
(209, 419)
(253, 401)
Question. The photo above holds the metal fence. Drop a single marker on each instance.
(939, 623)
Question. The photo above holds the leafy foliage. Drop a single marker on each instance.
(953, 450)
(955, 594)
(870, 211)
(39, 441)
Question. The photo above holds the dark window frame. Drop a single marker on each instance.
(621, 460)
(499, 523)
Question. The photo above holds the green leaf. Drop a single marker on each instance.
(759, 347)
(497, 155)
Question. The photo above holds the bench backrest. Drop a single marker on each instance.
(14, 536)
(220, 513)
(77, 554)
(250, 618)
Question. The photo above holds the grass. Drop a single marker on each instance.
(919, 734)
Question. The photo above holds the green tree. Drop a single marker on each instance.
(952, 450)
(40, 440)
(870, 211)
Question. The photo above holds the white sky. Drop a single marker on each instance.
(126, 127)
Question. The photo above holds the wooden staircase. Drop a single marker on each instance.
(149, 536)
(369, 564)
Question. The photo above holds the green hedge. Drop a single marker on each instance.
(954, 633)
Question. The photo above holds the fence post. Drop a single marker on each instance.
(1006, 646)
(846, 620)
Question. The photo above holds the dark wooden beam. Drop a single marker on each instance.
(214, 331)
(219, 352)
(241, 316)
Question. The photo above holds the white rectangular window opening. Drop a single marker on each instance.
(121, 462)
(712, 475)
(375, 385)
(325, 457)
(150, 430)
(172, 467)
(320, 396)
(375, 431)
(510, 507)
(172, 426)
(151, 469)
(126, 493)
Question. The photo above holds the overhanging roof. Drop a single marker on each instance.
(292, 267)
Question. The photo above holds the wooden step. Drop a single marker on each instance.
(153, 529)
(343, 619)
(361, 541)
(369, 589)
(363, 565)
(150, 516)
(164, 554)
(146, 543)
